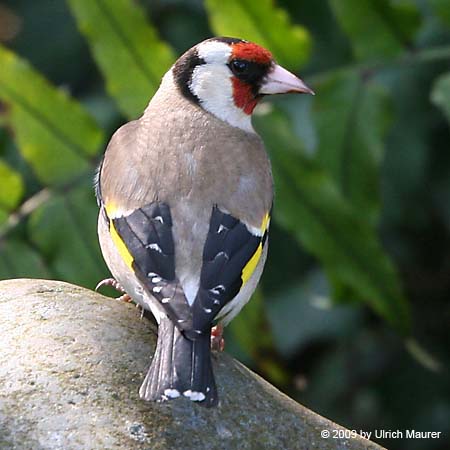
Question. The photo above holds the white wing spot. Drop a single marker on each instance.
(221, 229)
(156, 279)
(154, 246)
(157, 289)
(223, 254)
(165, 300)
(207, 310)
(159, 219)
(218, 289)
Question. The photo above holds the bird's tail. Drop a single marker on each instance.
(180, 366)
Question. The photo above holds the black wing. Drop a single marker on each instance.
(230, 255)
(147, 235)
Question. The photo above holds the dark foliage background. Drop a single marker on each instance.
(352, 316)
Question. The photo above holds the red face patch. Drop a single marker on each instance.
(251, 52)
(243, 96)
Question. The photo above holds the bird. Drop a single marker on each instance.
(185, 194)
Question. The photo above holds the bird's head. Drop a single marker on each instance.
(228, 77)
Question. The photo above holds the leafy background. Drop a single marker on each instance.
(352, 316)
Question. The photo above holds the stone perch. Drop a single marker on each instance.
(72, 361)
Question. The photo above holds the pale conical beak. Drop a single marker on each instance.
(281, 81)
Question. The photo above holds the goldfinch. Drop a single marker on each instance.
(185, 194)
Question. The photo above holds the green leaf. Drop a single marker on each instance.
(248, 321)
(422, 355)
(351, 117)
(3, 216)
(378, 29)
(442, 10)
(440, 94)
(12, 187)
(19, 260)
(64, 230)
(251, 322)
(54, 133)
(302, 313)
(264, 24)
(127, 49)
(309, 205)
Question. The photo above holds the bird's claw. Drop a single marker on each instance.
(110, 282)
(124, 298)
(117, 286)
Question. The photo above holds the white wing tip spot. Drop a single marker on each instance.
(165, 300)
(157, 289)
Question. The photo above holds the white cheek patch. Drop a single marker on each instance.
(211, 84)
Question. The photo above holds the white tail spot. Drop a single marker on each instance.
(194, 395)
(171, 393)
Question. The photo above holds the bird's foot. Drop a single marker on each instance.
(217, 340)
(117, 286)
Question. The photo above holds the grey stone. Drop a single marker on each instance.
(71, 363)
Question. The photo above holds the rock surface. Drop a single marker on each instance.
(71, 363)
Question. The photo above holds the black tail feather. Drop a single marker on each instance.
(180, 366)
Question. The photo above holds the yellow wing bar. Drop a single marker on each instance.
(250, 267)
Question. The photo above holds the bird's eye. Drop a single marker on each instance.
(239, 67)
